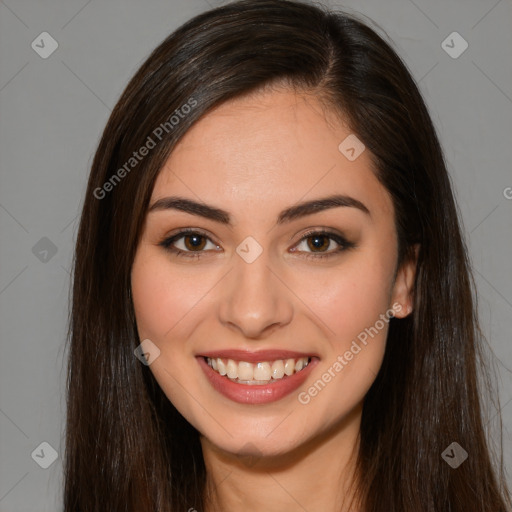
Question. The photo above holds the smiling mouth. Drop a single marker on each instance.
(261, 373)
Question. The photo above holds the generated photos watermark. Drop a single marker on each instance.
(343, 360)
(137, 156)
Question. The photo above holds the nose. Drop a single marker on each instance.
(255, 302)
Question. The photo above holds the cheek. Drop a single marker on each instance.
(152, 298)
(354, 303)
(355, 308)
(351, 298)
(164, 304)
(162, 298)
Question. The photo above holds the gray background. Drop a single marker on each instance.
(53, 111)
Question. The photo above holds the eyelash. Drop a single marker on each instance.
(342, 242)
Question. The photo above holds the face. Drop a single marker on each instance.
(262, 284)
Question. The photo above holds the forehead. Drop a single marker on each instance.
(266, 150)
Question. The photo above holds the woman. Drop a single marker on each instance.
(272, 303)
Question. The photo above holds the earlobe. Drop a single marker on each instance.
(404, 283)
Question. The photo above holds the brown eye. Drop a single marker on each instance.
(188, 243)
(194, 242)
(322, 244)
(318, 242)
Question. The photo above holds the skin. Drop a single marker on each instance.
(255, 156)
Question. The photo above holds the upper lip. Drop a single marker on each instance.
(254, 357)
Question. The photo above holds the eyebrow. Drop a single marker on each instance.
(287, 215)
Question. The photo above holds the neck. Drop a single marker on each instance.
(319, 474)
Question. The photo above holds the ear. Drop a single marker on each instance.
(401, 297)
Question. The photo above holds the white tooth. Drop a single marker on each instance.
(278, 369)
(232, 369)
(221, 367)
(289, 367)
(245, 370)
(214, 364)
(306, 361)
(299, 364)
(262, 371)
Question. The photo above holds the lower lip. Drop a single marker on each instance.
(257, 393)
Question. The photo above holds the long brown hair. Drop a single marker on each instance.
(127, 447)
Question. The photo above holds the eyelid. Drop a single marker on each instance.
(336, 236)
(181, 232)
